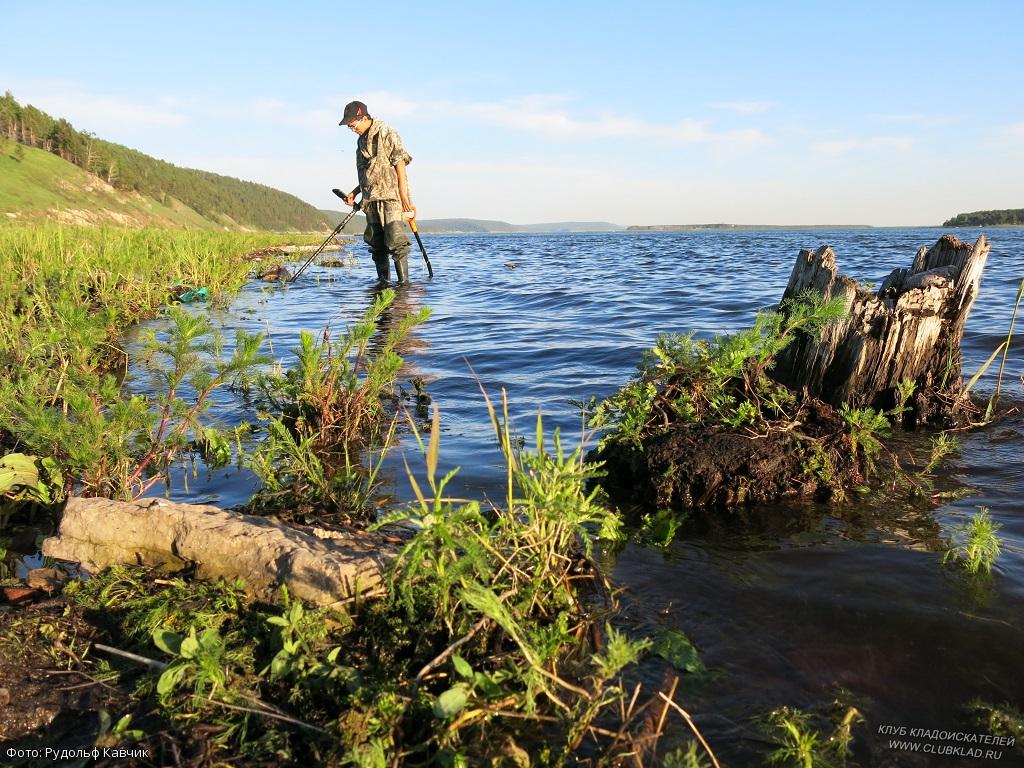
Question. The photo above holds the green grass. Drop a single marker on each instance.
(34, 183)
(491, 638)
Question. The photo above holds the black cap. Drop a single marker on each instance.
(353, 111)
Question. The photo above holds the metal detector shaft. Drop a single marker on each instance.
(318, 251)
(430, 269)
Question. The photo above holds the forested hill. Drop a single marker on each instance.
(1009, 216)
(220, 199)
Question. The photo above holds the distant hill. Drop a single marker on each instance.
(482, 226)
(1006, 217)
(200, 197)
(354, 227)
(738, 227)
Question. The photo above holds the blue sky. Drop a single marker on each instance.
(895, 113)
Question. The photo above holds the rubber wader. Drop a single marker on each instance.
(401, 266)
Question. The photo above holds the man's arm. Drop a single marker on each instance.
(403, 188)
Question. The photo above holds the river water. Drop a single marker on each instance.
(822, 600)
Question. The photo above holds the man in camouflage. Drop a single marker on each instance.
(380, 164)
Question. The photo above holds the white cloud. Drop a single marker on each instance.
(384, 103)
(94, 113)
(1013, 133)
(869, 144)
(745, 107)
(547, 115)
(270, 111)
(536, 115)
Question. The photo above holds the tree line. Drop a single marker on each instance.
(211, 195)
(1011, 216)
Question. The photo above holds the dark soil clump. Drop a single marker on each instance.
(715, 469)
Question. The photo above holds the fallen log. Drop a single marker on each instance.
(909, 330)
(322, 567)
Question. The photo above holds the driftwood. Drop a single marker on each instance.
(909, 330)
(323, 567)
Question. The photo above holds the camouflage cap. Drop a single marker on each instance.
(353, 111)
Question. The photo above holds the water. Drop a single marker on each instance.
(853, 599)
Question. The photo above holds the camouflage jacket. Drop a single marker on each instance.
(377, 152)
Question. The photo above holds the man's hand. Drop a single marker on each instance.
(409, 211)
(350, 200)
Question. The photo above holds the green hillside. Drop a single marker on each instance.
(37, 185)
(354, 227)
(124, 177)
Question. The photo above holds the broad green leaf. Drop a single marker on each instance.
(462, 667)
(487, 685)
(170, 678)
(17, 469)
(211, 642)
(190, 645)
(451, 702)
(280, 665)
(168, 642)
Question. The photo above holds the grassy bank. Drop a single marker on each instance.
(66, 296)
(493, 634)
(126, 272)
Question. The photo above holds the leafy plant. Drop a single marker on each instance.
(974, 545)
(721, 381)
(21, 479)
(199, 661)
(331, 413)
(999, 720)
(110, 445)
(798, 742)
(804, 740)
(867, 428)
(689, 757)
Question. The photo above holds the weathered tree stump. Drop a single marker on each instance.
(687, 436)
(910, 329)
(322, 567)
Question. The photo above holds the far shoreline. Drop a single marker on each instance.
(635, 230)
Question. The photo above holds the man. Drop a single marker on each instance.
(380, 165)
